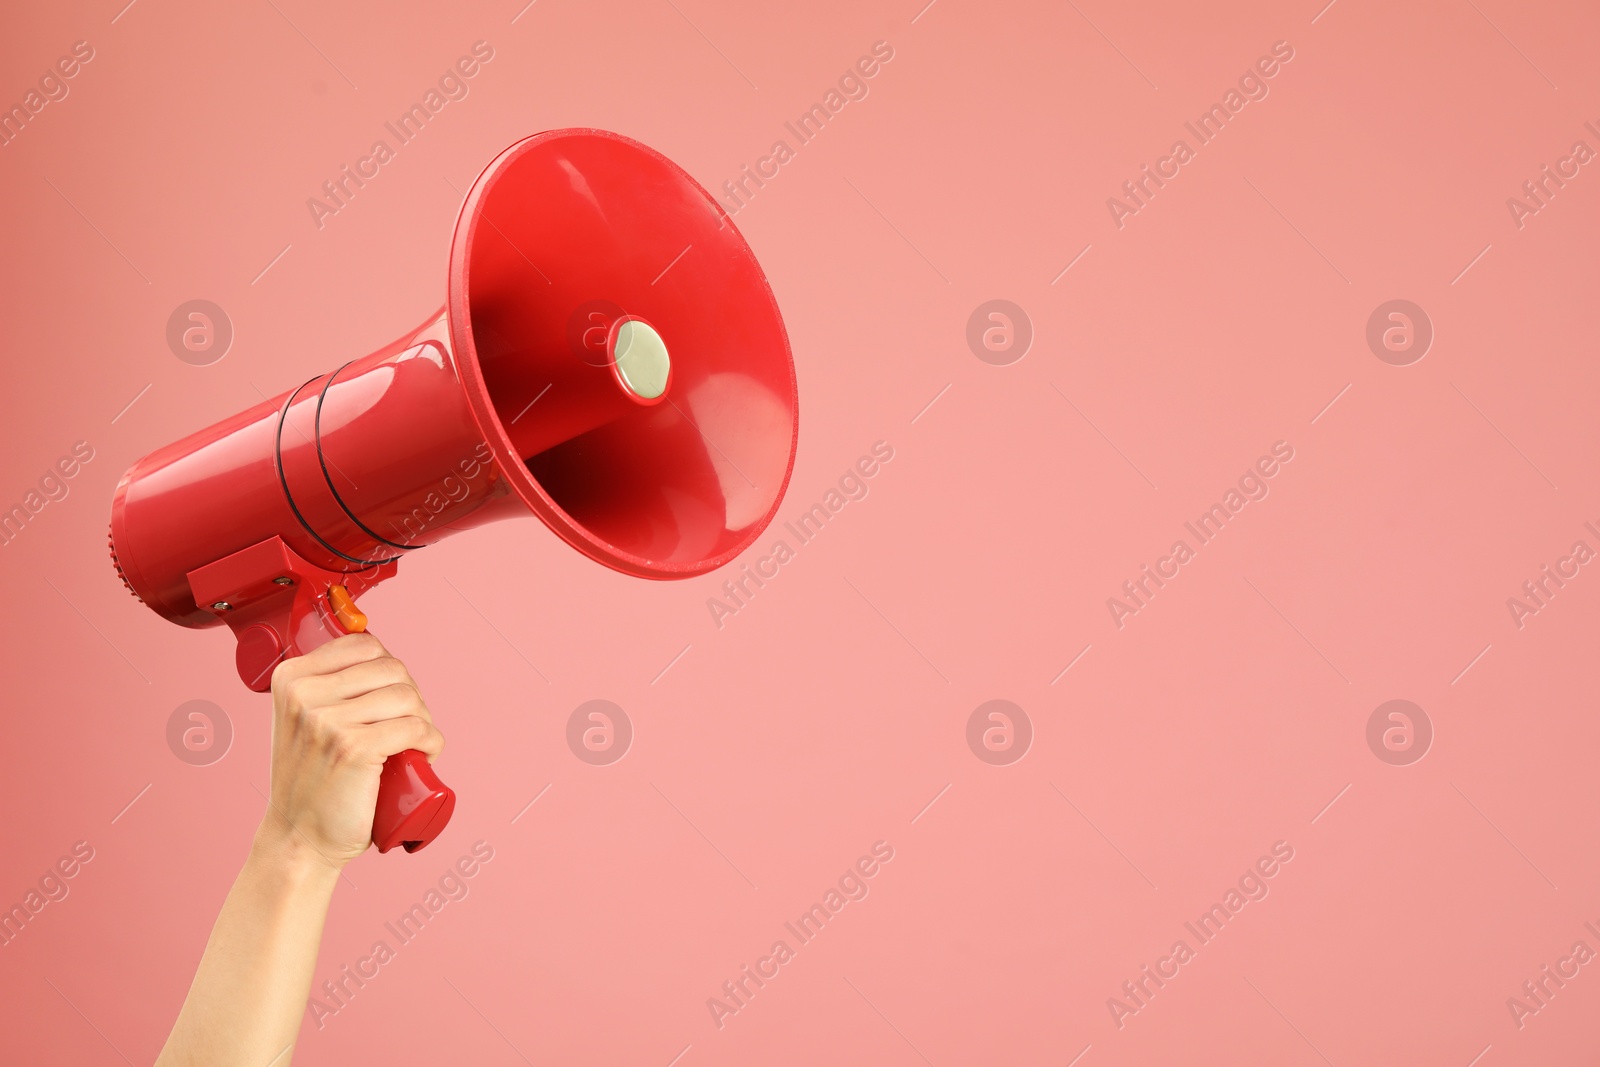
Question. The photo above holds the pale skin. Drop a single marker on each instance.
(337, 714)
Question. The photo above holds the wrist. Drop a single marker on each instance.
(278, 848)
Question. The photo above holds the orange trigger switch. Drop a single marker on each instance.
(345, 610)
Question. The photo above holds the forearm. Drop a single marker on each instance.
(338, 713)
(249, 994)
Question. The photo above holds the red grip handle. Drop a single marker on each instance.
(413, 805)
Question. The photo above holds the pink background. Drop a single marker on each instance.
(828, 713)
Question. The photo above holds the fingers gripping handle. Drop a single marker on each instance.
(413, 804)
(294, 618)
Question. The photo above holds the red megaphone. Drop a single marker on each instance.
(609, 357)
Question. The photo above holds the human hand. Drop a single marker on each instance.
(338, 713)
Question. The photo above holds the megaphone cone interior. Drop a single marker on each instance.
(585, 261)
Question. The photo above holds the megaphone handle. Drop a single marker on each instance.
(413, 804)
(279, 604)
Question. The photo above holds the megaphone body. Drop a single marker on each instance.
(609, 358)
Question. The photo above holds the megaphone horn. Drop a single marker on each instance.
(610, 357)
